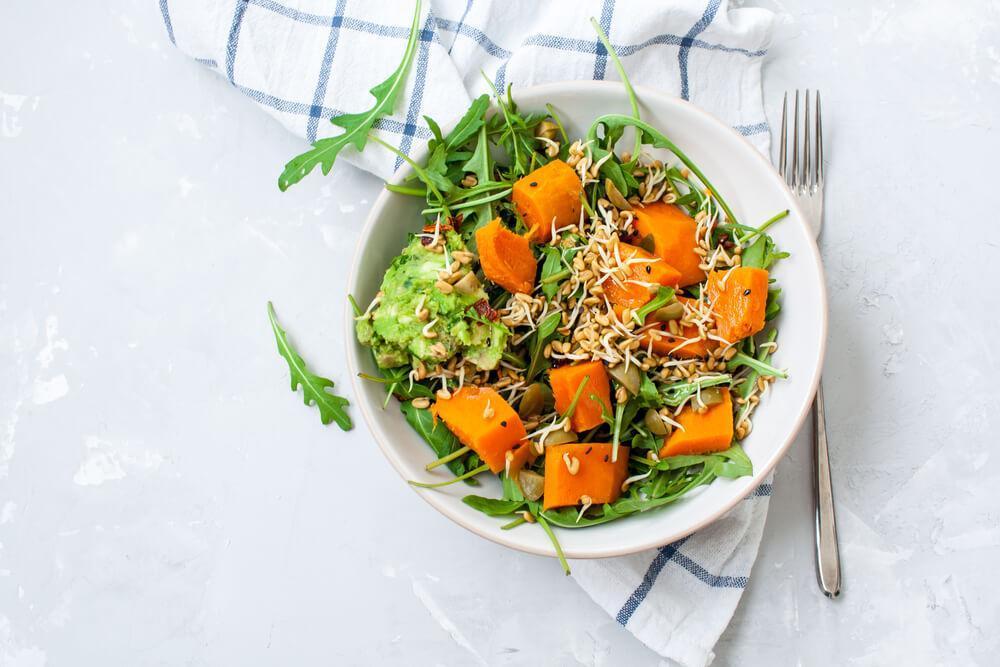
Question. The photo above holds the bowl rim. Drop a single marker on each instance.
(437, 501)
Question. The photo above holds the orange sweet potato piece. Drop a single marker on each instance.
(653, 270)
(710, 431)
(548, 193)
(665, 342)
(565, 381)
(490, 437)
(673, 233)
(598, 476)
(506, 258)
(738, 301)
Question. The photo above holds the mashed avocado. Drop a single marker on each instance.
(395, 333)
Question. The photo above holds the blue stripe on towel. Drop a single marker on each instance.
(324, 71)
(688, 41)
(601, 62)
(663, 556)
(234, 38)
(166, 21)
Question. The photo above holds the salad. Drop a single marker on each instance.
(582, 317)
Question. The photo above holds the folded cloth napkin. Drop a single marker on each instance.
(305, 61)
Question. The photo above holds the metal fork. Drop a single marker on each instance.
(805, 179)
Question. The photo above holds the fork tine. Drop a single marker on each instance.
(782, 151)
(806, 180)
(819, 142)
(795, 143)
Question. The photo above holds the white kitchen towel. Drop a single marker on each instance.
(305, 61)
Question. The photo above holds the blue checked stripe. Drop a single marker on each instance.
(460, 25)
(411, 128)
(601, 62)
(166, 21)
(418, 93)
(663, 556)
(762, 491)
(713, 580)
(234, 38)
(324, 71)
(685, 50)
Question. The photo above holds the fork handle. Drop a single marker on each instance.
(827, 549)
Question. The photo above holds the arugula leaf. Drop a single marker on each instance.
(550, 267)
(664, 295)
(545, 332)
(744, 388)
(440, 439)
(480, 164)
(675, 394)
(356, 125)
(470, 123)
(650, 135)
(773, 306)
(314, 387)
(493, 506)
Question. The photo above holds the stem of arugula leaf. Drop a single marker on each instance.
(763, 228)
(404, 190)
(555, 543)
(619, 413)
(354, 305)
(457, 454)
(586, 206)
(437, 485)
(555, 117)
(633, 101)
(576, 398)
(556, 277)
(513, 524)
(758, 365)
(421, 172)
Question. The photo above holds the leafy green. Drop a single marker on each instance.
(493, 506)
(552, 266)
(762, 253)
(441, 440)
(552, 537)
(744, 389)
(544, 334)
(679, 392)
(470, 123)
(480, 164)
(664, 295)
(650, 135)
(632, 99)
(314, 387)
(357, 126)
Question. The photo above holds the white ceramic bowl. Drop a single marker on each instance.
(755, 193)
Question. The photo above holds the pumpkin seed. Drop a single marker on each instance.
(629, 378)
(532, 484)
(648, 243)
(534, 400)
(655, 423)
(615, 196)
(560, 437)
(671, 311)
(711, 396)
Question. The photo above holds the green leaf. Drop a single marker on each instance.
(480, 164)
(551, 266)
(773, 305)
(470, 123)
(545, 332)
(675, 394)
(441, 440)
(650, 135)
(314, 388)
(664, 295)
(356, 125)
(761, 253)
(493, 506)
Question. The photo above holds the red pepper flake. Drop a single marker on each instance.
(429, 229)
(486, 311)
(455, 221)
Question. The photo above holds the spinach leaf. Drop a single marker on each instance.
(441, 440)
(493, 506)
